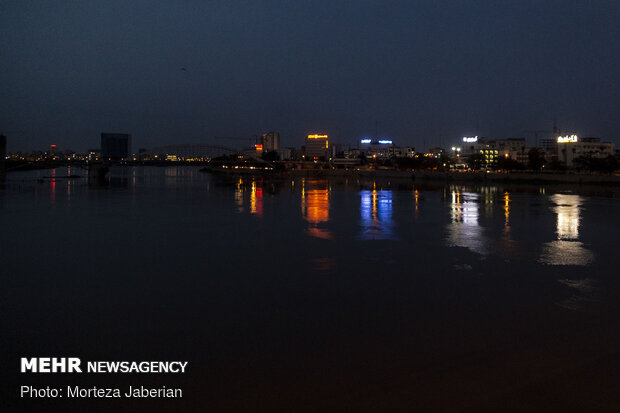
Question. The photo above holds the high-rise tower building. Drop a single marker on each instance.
(270, 141)
(115, 146)
(316, 146)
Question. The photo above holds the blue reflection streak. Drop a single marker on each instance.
(376, 215)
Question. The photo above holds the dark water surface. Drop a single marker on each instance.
(313, 295)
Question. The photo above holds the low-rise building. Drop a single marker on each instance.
(570, 148)
(377, 148)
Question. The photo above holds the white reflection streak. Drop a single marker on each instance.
(566, 250)
(567, 210)
(464, 230)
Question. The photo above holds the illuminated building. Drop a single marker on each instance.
(115, 146)
(270, 141)
(494, 149)
(377, 149)
(505, 148)
(570, 147)
(316, 147)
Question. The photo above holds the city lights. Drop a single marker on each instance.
(567, 138)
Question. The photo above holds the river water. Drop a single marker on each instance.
(314, 294)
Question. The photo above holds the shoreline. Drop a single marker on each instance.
(435, 176)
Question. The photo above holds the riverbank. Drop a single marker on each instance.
(435, 176)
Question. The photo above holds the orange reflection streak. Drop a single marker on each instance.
(506, 208)
(253, 199)
(374, 198)
(416, 195)
(239, 195)
(256, 200)
(315, 208)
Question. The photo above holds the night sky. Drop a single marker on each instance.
(424, 71)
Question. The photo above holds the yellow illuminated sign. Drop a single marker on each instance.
(317, 136)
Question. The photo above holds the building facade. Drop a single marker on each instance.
(570, 148)
(377, 149)
(115, 146)
(270, 141)
(317, 147)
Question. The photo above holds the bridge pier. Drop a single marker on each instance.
(97, 172)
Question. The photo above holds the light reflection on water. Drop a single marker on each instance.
(508, 246)
(315, 207)
(185, 266)
(566, 249)
(471, 222)
(239, 195)
(376, 215)
(464, 230)
(256, 200)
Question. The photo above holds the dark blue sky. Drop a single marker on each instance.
(426, 71)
